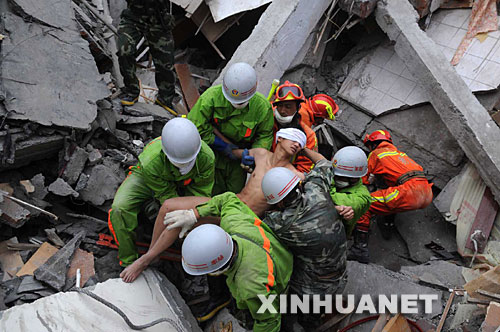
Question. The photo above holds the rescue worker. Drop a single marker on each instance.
(245, 250)
(350, 196)
(306, 221)
(233, 116)
(152, 20)
(408, 188)
(317, 108)
(288, 100)
(176, 164)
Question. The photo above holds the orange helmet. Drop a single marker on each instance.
(289, 91)
(323, 106)
(378, 135)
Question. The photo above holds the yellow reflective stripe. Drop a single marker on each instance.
(386, 199)
(391, 153)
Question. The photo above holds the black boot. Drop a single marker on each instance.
(386, 225)
(359, 250)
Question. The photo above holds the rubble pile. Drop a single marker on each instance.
(66, 144)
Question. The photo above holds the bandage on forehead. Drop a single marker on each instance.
(292, 134)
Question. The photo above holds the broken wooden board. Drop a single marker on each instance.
(189, 90)
(380, 323)
(84, 261)
(397, 323)
(38, 259)
(492, 321)
(488, 281)
(10, 261)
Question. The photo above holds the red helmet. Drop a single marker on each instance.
(323, 106)
(289, 91)
(378, 135)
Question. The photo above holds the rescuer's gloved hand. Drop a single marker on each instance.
(180, 218)
(247, 161)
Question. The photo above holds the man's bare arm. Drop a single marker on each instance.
(314, 156)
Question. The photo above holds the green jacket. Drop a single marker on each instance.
(165, 180)
(263, 265)
(251, 126)
(357, 196)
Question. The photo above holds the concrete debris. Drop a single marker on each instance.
(450, 96)
(30, 284)
(375, 280)
(53, 271)
(270, 58)
(12, 213)
(488, 281)
(10, 261)
(464, 314)
(84, 261)
(101, 186)
(28, 186)
(222, 319)
(52, 13)
(95, 156)
(49, 58)
(151, 292)
(38, 259)
(75, 166)
(82, 182)
(61, 188)
(441, 274)
(443, 201)
(53, 237)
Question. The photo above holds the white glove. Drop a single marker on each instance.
(180, 218)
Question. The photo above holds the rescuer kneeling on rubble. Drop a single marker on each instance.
(408, 189)
(306, 221)
(233, 116)
(245, 250)
(350, 196)
(176, 164)
(287, 103)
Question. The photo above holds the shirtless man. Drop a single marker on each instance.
(290, 142)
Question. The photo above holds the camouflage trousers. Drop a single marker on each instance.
(157, 30)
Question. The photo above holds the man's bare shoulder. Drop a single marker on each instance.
(259, 152)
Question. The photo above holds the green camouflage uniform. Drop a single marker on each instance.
(149, 19)
(154, 176)
(358, 197)
(249, 127)
(313, 231)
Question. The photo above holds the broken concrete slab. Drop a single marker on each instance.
(461, 112)
(75, 166)
(271, 48)
(152, 297)
(464, 313)
(12, 213)
(10, 261)
(488, 281)
(38, 259)
(61, 188)
(222, 318)
(54, 13)
(101, 185)
(410, 225)
(53, 237)
(29, 284)
(442, 274)
(53, 271)
(375, 280)
(95, 156)
(108, 266)
(53, 93)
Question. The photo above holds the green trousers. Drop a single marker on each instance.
(129, 198)
(229, 176)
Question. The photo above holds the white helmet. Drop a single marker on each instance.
(277, 183)
(239, 83)
(206, 249)
(350, 162)
(180, 140)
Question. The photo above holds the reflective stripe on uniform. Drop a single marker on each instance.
(267, 247)
(391, 153)
(110, 225)
(386, 199)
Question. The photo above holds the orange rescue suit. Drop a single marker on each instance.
(301, 163)
(306, 114)
(408, 190)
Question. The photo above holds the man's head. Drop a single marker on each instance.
(374, 139)
(291, 140)
(350, 164)
(289, 96)
(280, 186)
(207, 249)
(239, 84)
(181, 142)
(323, 107)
